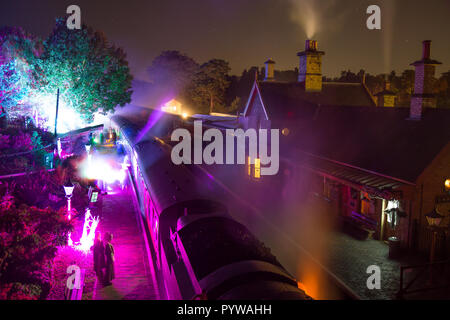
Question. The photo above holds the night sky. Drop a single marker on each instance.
(247, 32)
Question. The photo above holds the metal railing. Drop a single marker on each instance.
(424, 278)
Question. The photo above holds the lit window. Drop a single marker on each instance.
(257, 168)
(249, 166)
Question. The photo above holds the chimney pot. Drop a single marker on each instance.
(426, 49)
(311, 45)
(270, 70)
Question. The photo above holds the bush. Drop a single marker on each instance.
(22, 147)
(29, 238)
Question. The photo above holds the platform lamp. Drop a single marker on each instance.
(447, 185)
(434, 220)
(68, 189)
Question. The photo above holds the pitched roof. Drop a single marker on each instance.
(378, 139)
(280, 98)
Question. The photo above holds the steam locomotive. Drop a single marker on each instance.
(199, 249)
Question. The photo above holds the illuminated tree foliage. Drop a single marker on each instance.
(91, 73)
(12, 89)
(17, 76)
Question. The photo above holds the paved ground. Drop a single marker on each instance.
(349, 259)
(134, 276)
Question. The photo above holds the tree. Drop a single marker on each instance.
(91, 73)
(210, 84)
(17, 75)
(173, 72)
(12, 87)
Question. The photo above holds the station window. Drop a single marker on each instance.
(257, 168)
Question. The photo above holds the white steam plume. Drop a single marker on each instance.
(314, 16)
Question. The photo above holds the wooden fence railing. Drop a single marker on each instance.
(424, 278)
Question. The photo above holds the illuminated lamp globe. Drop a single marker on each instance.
(447, 184)
(68, 189)
(434, 218)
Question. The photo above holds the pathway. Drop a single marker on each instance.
(134, 276)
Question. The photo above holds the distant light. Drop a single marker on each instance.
(447, 184)
(184, 115)
(285, 131)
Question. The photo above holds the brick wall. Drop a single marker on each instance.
(429, 185)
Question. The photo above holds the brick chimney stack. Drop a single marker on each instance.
(310, 68)
(270, 70)
(423, 96)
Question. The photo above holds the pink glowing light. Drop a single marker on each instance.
(87, 238)
(152, 120)
(89, 227)
(70, 243)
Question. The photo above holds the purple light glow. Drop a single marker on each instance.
(152, 120)
(103, 168)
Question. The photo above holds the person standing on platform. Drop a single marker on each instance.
(99, 256)
(109, 254)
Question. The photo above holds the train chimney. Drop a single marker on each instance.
(310, 68)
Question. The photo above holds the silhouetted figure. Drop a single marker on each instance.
(109, 254)
(99, 256)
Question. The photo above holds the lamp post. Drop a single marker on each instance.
(88, 151)
(68, 189)
(434, 220)
(56, 115)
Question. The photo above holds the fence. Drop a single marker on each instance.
(424, 278)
